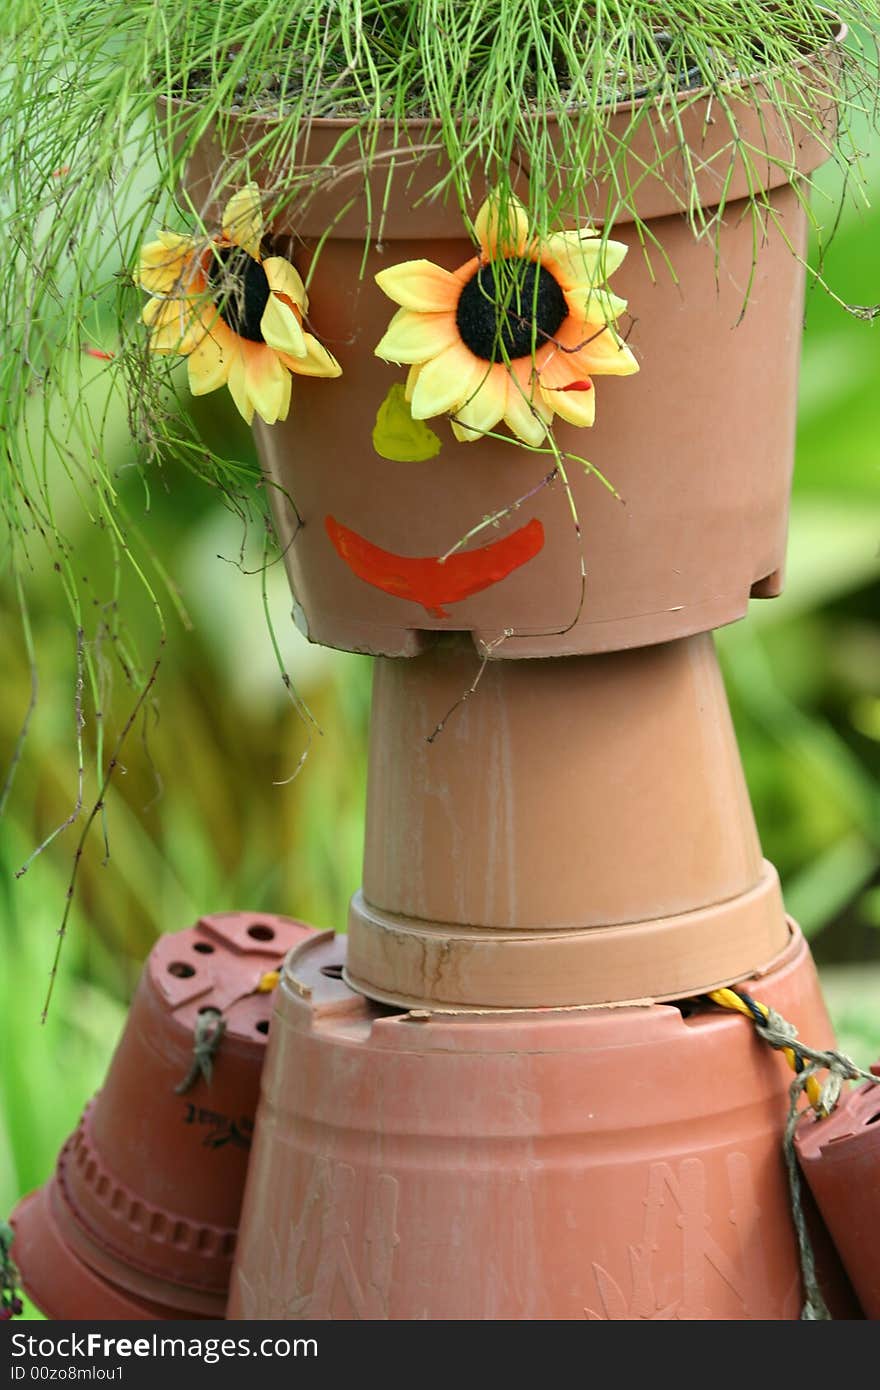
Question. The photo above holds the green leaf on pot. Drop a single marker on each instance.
(397, 436)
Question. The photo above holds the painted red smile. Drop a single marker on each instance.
(431, 580)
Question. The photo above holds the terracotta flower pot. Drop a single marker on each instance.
(539, 1164)
(142, 1210)
(60, 1283)
(579, 833)
(840, 1158)
(698, 445)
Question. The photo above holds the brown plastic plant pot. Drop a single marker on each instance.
(542, 1164)
(146, 1193)
(840, 1158)
(59, 1283)
(578, 832)
(698, 445)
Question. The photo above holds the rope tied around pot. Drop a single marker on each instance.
(822, 1096)
(208, 1035)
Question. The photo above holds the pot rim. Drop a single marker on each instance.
(689, 96)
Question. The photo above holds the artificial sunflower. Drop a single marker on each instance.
(235, 314)
(515, 334)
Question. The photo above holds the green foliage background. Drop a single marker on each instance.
(199, 822)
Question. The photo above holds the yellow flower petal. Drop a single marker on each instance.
(576, 238)
(267, 382)
(175, 325)
(421, 285)
(577, 407)
(285, 279)
(243, 220)
(523, 413)
(164, 263)
(413, 337)
(604, 353)
(502, 231)
(483, 410)
(412, 377)
(238, 388)
(594, 306)
(580, 258)
(208, 366)
(316, 362)
(446, 381)
(281, 329)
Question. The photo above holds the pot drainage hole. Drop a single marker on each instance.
(181, 969)
(260, 932)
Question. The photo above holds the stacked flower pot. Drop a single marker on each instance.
(503, 1094)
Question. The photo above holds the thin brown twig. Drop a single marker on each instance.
(502, 514)
(472, 688)
(80, 725)
(95, 811)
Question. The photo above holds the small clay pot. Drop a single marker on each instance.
(58, 1281)
(539, 1164)
(579, 832)
(840, 1158)
(146, 1192)
(697, 526)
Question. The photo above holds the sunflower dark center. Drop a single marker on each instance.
(508, 307)
(240, 290)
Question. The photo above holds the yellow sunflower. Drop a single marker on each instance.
(235, 314)
(515, 334)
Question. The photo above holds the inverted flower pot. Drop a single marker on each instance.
(140, 1217)
(541, 1164)
(61, 1284)
(578, 832)
(698, 445)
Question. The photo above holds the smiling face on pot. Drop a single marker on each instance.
(396, 524)
(512, 337)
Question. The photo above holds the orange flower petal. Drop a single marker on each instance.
(267, 382)
(577, 407)
(598, 351)
(316, 362)
(557, 369)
